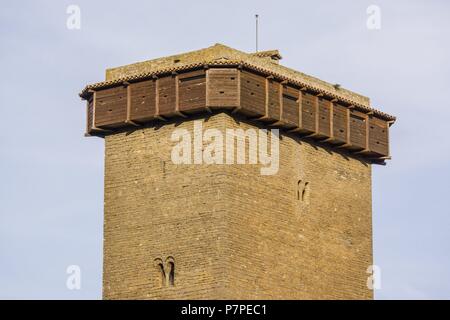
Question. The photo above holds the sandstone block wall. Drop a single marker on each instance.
(226, 231)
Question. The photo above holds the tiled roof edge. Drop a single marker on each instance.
(104, 84)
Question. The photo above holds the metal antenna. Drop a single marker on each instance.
(256, 18)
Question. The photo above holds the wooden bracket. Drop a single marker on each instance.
(345, 145)
(329, 139)
(311, 135)
(181, 114)
(160, 118)
(294, 130)
(277, 123)
(362, 151)
(132, 123)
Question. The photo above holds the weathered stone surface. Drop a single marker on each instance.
(233, 233)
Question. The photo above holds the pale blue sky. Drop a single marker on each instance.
(51, 190)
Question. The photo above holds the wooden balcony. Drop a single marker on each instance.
(274, 101)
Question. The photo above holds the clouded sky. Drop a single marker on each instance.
(51, 189)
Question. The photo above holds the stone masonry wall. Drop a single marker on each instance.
(231, 232)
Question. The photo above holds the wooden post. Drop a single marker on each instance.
(266, 101)
(299, 105)
(94, 106)
(280, 98)
(331, 120)
(207, 88)
(239, 85)
(238, 78)
(300, 109)
(94, 102)
(316, 108)
(348, 142)
(389, 123)
(156, 97)
(177, 93)
(157, 115)
(87, 117)
(366, 119)
(207, 85)
(367, 132)
(128, 119)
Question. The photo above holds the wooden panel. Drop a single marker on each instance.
(253, 94)
(308, 112)
(378, 136)
(324, 117)
(111, 107)
(290, 110)
(357, 129)
(222, 87)
(143, 100)
(192, 91)
(340, 123)
(90, 114)
(167, 95)
(273, 96)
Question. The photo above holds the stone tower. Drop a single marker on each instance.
(223, 230)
